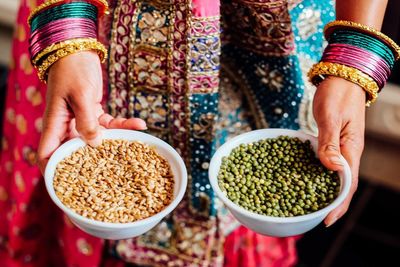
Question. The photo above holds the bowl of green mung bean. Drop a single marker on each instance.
(272, 181)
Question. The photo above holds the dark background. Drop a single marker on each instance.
(369, 234)
(391, 27)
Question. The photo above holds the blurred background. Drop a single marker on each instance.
(369, 234)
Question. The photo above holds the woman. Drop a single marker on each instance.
(164, 67)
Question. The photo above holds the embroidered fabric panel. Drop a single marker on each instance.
(153, 107)
(235, 116)
(204, 54)
(182, 239)
(205, 49)
(273, 83)
(124, 15)
(309, 17)
(204, 109)
(178, 83)
(261, 26)
(138, 68)
(149, 51)
(203, 71)
(170, 78)
(150, 70)
(157, 72)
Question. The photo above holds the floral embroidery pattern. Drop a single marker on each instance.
(205, 54)
(153, 109)
(263, 27)
(152, 26)
(205, 26)
(150, 71)
(204, 128)
(119, 47)
(273, 79)
(205, 49)
(204, 84)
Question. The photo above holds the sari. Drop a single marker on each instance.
(198, 78)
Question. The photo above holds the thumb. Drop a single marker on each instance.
(87, 123)
(329, 146)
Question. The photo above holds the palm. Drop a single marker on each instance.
(74, 108)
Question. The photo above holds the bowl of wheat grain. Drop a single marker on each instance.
(120, 189)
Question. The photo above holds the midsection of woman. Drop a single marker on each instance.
(166, 66)
(170, 65)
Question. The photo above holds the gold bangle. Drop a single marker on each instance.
(318, 72)
(68, 50)
(49, 3)
(340, 24)
(56, 46)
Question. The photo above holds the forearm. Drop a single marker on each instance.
(367, 12)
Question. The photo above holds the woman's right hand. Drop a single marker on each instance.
(73, 105)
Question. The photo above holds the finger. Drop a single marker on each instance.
(86, 119)
(72, 129)
(329, 144)
(54, 130)
(72, 125)
(351, 147)
(109, 122)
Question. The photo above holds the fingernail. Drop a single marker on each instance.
(144, 125)
(336, 160)
(331, 222)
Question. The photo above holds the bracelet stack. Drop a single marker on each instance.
(60, 28)
(357, 53)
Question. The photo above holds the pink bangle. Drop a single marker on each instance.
(363, 64)
(61, 30)
(358, 58)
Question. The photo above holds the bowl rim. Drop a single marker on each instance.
(78, 142)
(345, 176)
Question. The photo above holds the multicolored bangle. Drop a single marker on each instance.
(358, 54)
(365, 61)
(61, 28)
(365, 42)
(102, 6)
(70, 10)
(55, 32)
(358, 27)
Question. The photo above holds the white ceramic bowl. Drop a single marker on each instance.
(268, 225)
(120, 230)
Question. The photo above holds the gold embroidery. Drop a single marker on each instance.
(262, 27)
(204, 128)
(239, 78)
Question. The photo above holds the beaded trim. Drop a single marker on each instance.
(318, 72)
(333, 25)
(71, 47)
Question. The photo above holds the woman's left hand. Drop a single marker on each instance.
(339, 110)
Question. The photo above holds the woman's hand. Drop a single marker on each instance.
(73, 99)
(339, 110)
